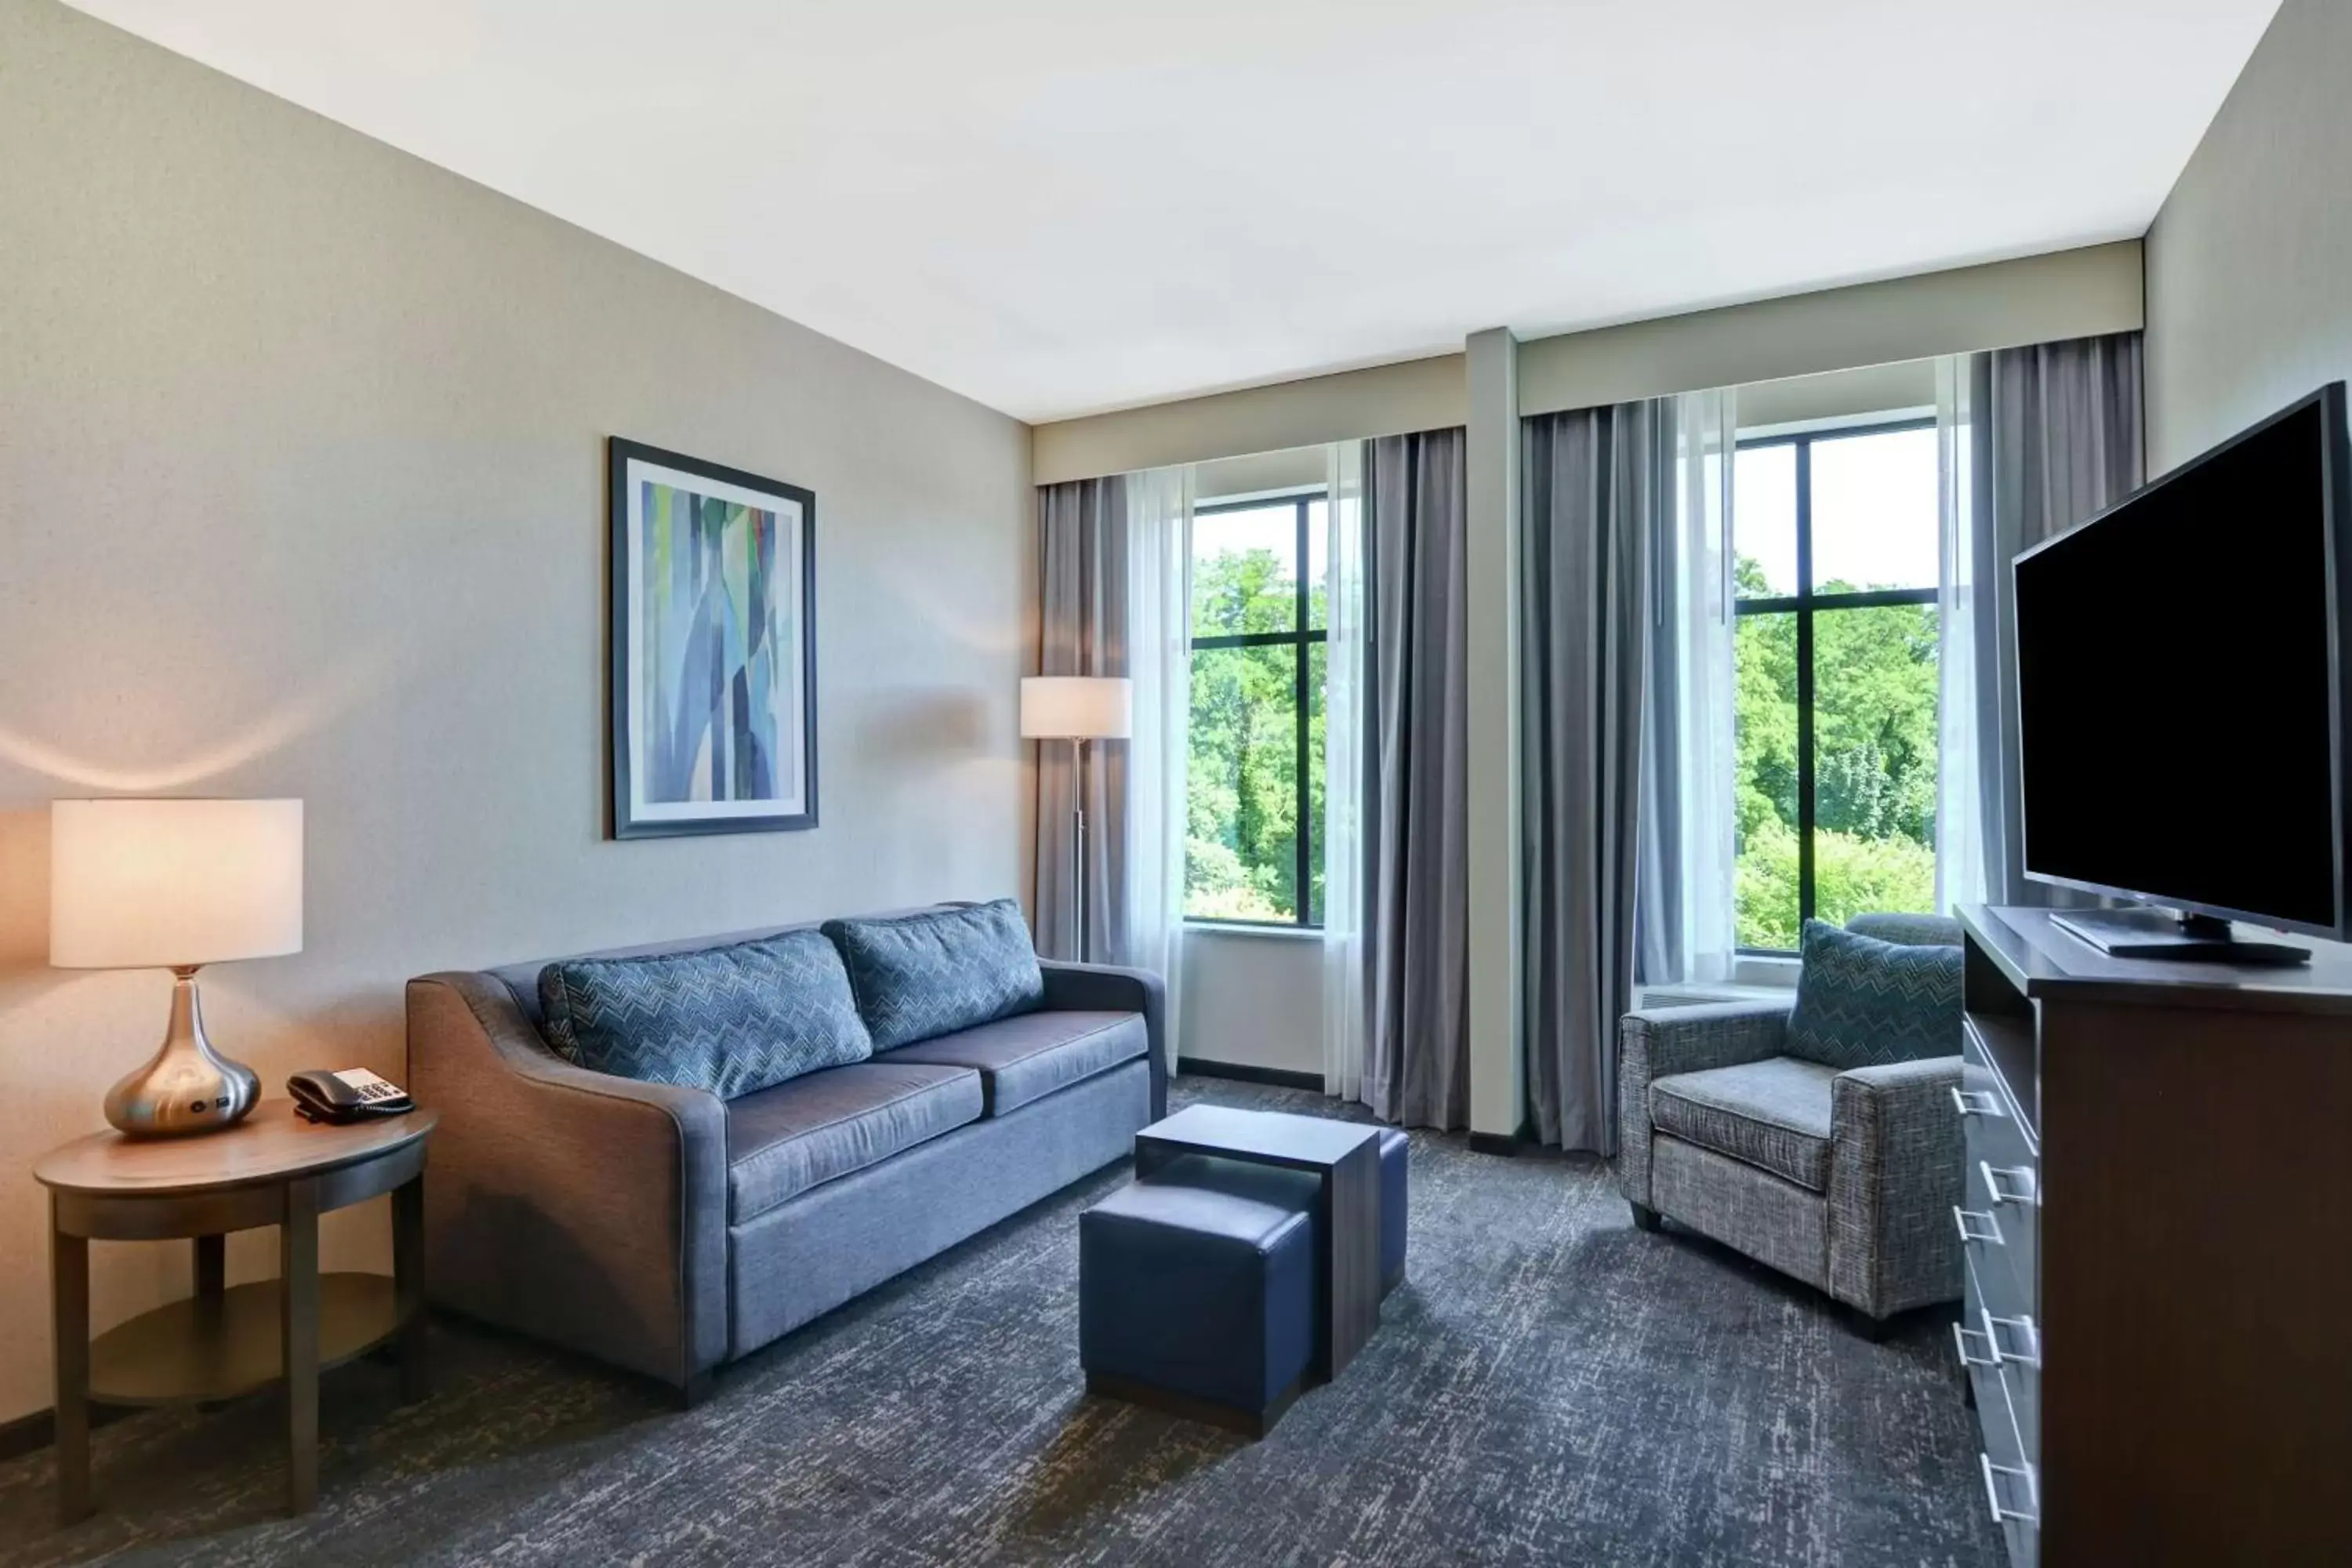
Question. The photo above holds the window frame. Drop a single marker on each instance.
(1805, 602)
(1300, 639)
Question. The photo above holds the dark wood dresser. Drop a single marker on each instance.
(2160, 1353)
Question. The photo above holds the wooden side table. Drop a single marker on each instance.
(1346, 1155)
(273, 1168)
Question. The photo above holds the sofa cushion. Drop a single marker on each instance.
(1862, 1002)
(1029, 1057)
(922, 975)
(1773, 1114)
(732, 1019)
(783, 1141)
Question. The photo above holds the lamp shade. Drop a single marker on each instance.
(156, 884)
(1077, 707)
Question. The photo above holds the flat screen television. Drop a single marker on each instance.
(2180, 684)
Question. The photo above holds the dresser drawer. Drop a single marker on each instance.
(2008, 1468)
(2001, 1197)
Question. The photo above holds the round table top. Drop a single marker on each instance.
(273, 1144)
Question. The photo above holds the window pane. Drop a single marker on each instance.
(1765, 797)
(1318, 552)
(1242, 567)
(1875, 511)
(1764, 521)
(1240, 859)
(1318, 668)
(1874, 761)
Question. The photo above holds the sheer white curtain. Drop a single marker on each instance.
(1346, 670)
(1960, 833)
(1686, 925)
(1159, 519)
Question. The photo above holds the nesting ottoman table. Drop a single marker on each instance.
(1247, 1259)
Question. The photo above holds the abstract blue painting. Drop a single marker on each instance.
(714, 692)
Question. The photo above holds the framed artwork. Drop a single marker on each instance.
(713, 612)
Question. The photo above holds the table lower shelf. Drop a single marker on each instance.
(204, 1351)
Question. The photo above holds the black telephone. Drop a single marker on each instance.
(353, 1094)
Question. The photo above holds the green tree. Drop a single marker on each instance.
(1875, 740)
(1242, 776)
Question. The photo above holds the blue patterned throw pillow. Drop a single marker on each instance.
(1862, 1003)
(728, 1019)
(923, 975)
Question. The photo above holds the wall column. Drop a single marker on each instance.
(1497, 1078)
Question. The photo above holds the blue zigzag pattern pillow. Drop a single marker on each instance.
(729, 1019)
(1864, 1003)
(923, 975)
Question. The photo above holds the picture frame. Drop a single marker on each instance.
(711, 613)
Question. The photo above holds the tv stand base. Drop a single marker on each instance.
(2183, 939)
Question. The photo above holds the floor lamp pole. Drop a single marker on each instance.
(1078, 850)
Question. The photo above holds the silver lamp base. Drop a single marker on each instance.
(186, 1086)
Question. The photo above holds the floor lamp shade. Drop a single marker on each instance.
(167, 884)
(175, 884)
(1077, 708)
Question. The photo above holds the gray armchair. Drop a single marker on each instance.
(1844, 1180)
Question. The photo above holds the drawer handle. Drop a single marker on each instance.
(1961, 1335)
(2028, 1340)
(1977, 1102)
(1976, 1225)
(2011, 1185)
(2002, 1513)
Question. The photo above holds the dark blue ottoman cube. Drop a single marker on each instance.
(1394, 1195)
(1196, 1291)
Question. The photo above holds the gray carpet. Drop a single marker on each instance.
(1550, 1386)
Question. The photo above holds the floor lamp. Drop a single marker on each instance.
(1076, 709)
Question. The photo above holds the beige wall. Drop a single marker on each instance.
(302, 474)
(1253, 999)
(2249, 263)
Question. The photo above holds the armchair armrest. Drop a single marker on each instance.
(581, 1207)
(1108, 988)
(1896, 1169)
(1658, 1042)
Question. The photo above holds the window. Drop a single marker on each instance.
(1255, 776)
(1835, 542)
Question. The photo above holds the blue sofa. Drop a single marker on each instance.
(667, 1231)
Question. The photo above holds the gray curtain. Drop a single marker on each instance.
(1416, 815)
(1082, 536)
(2057, 435)
(1597, 487)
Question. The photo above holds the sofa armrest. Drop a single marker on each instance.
(1108, 988)
(1896, 1170)
(1659, 1042)
(583, 1208)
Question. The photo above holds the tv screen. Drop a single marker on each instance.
(2177, 690)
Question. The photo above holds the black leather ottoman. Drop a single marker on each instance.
(1197, 1291)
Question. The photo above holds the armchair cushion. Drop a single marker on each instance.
(1862, 1002)
(922, 975)
(1909, 930)
(732, 1020)
(1773, 1114)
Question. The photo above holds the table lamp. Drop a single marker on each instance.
(1077, 708)
(175, 884)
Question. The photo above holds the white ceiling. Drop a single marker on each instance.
(1058, 207)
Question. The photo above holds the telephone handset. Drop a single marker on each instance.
(353, 1094)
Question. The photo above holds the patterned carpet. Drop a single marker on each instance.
(1549, 1386)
